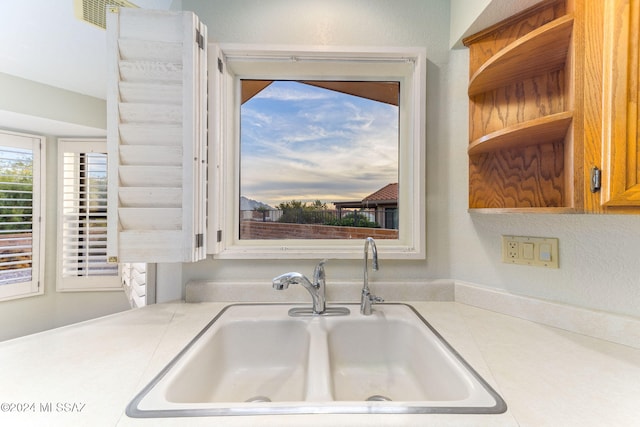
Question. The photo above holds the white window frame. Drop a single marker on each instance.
(407, 65)
(36, 285)
(78, 283)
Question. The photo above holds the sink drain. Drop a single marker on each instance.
(378, 398)
(258, 399)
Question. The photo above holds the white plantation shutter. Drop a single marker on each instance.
(156, 108)
(134, 281)
(82, 217)
(21, 208)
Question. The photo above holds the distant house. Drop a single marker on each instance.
(383, 202)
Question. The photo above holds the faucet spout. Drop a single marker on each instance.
(367, 299)
(316, 289)
(369, 242)
(284, 280)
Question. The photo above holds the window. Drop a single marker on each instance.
(404, 68)
(315, 157)
(82, 217)
(21, 210)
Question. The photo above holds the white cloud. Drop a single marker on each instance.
(291, 93)
(329, 147)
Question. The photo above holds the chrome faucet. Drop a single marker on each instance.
(316, 289)
(367, 299)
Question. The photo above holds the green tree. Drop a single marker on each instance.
(16, 211)
(298, 212)
(16, 193)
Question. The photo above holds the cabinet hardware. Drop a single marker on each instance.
(596, 179)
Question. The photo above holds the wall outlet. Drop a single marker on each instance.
(535, 251)
(512, 250)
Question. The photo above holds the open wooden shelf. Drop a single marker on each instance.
(551, 99)
(523, 210)
(522, 113)
(543, 49)
(520, 177)
(538, 131)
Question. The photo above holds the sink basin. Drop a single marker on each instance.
(254, 359)
(246, 359)
(391, 358)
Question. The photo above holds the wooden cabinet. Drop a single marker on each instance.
(553, 96)
(522, 113)
(621, 120)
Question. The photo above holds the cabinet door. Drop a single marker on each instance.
(621, 121)
(156, 135)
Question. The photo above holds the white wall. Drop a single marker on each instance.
(599, 255)
(48, 103)
(339, 22)
(43, 105)
(463, 15)
(471, 16)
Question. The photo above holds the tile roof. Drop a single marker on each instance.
(388, 192)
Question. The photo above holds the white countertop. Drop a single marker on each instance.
(86, 374)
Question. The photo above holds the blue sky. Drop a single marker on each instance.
(307, 143)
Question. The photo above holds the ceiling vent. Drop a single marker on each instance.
(94, 11)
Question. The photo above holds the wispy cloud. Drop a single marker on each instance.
(288, 91)
(307, 143)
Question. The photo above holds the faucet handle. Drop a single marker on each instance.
(375, 299)
(318, 272)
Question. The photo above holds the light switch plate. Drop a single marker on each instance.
(534, 251)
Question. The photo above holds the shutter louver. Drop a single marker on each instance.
(157, 135)
(82, 262)
(134, 281)
(84, 211)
